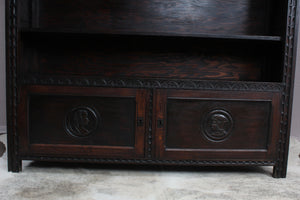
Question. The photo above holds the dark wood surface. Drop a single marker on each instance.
(115, 121)
(238, 56)
(155, 16)
(245, 123)
(60, 120)
(185, 118)
(149, 57)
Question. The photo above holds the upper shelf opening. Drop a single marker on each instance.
(235, 19)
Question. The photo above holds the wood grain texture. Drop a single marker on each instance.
(181, 16)
(148, 57)
(115, 120)
(186, 125)
(117, 110)
(254, 125)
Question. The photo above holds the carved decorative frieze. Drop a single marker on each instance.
(156, 83)
(161, 162)
(11, 73)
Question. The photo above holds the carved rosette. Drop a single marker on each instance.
(81, 121)
(217, 125)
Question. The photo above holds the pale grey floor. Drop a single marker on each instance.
(94, 182)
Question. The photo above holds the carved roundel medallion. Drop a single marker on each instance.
(217, 125)
(81, 121)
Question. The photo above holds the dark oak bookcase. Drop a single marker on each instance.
(173, 82)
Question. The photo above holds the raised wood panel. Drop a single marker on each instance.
(113, 119)
(101, 121)
(216, 125)
(186, 123)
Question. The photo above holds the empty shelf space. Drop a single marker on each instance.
(118, 56)
(235, 19)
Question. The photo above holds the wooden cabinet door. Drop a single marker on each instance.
(79, 121)
(215, 125)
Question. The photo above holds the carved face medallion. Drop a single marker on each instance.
(81, 121)
(217, 125)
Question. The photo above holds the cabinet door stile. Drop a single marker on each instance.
(160, 98)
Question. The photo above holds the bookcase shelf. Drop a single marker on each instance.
(156, 34)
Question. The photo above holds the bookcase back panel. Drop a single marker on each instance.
(250, 17)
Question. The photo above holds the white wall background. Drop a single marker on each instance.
(296, 100)
(296, 106)
(2, 67)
